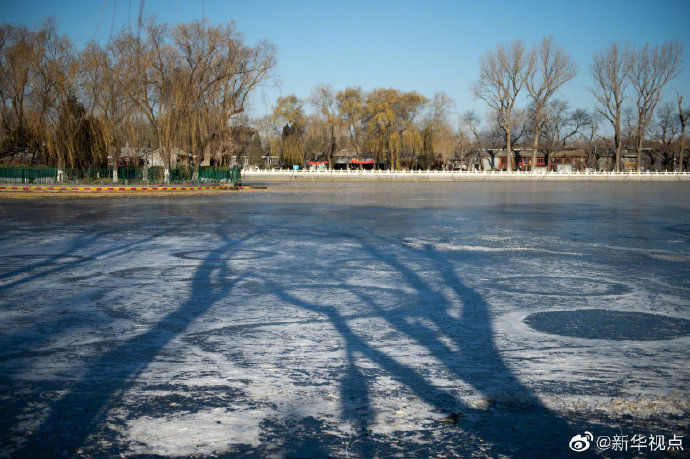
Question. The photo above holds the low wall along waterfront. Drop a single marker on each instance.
(387, 175)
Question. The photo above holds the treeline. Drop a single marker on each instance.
(167, 88)
(405, 129)
(181, 92)
(621, 74)
(398, 129)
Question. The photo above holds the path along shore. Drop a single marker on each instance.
(18, 190)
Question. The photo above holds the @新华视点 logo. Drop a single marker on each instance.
(580, 443)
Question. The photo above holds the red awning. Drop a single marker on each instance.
(316, 163)
(362, 161)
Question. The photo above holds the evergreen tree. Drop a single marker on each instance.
(256, 153)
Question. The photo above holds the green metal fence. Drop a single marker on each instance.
(88, 175)
(27, 175)
(125, 175)
(217, 174)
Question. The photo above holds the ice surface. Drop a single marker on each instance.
(345, 320)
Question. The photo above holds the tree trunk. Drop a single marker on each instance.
(535, 149)
(202, 160)
(60, 166)
(639, 153)
(331, 152)
(400, 151)
(378, 155)
(509, 154)
(196, 162)
(164, 157)
(535, 146)
(195, 172)
(619, 148)
(682, 147)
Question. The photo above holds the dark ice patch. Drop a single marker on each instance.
(605, 324)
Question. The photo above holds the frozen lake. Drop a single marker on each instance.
(347, 319)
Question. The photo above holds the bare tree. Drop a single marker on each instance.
(561, 125)
(317, 139)
(324, 99)
(21, 99)
(191, 80)
(590, 127)
(437, 125)
(650, 69)
(666, 128)
(683, 114)
(106, 92)
(468, 135)
(610, 69)
(15, 65)
(44, 94)
(439, 108)
(462, 143)
(352, 112)
(406, 106)
(220, 73)
(189, 83)
(473, 122)
(59, 66)
(151, 63)
(380, 122)
(549, 69)
(501, 77)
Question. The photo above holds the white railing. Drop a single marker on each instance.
(286, 173)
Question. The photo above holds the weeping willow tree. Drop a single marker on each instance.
(288, 112)
(292, 147)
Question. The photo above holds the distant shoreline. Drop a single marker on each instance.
(474, 176)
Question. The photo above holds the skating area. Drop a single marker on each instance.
(346, 320)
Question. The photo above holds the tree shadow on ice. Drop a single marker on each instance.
(47, 267)
(99, 225)
(48, 260)
(84, 409)
(19, 348)
(60, 316)
(514, 420)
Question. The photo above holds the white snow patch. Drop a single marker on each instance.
(204, 432)
(444, 246)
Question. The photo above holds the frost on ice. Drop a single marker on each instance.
(332, 323)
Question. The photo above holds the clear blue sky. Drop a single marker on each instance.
(423, 45)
